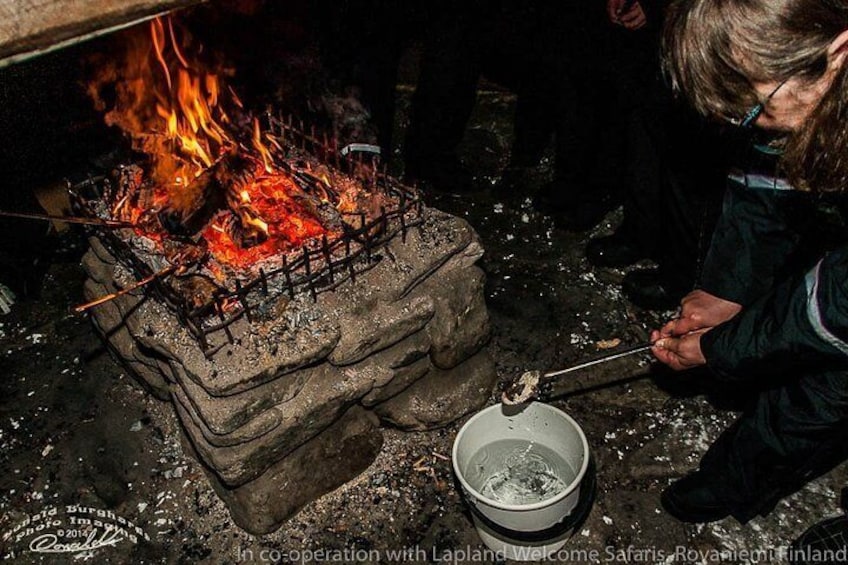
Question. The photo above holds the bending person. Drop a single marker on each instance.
(770, 307)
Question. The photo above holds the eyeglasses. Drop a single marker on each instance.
(751, 115)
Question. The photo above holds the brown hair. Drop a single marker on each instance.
(714, 49)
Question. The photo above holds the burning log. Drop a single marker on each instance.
(315, 183)
(324, 212)
(192, 208)
(244, 228)
(185, 255)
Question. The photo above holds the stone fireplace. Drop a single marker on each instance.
(286, 297)
(283, 407)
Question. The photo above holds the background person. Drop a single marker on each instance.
(673, 162)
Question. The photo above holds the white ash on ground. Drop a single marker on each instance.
(644, 431)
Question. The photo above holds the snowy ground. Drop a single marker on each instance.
(76, 432)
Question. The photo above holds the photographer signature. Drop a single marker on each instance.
(49, 543)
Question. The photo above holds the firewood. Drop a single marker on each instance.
(190, 208)
(243, 233)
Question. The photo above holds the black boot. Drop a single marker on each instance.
(616, 250)
(795, 433)
(694, 499)
(652, 290)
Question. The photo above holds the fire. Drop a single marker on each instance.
(267, 159)
(176, 107)
(287, 223)
(189, 107)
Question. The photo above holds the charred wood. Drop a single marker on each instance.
(192, 207)
(241, 227)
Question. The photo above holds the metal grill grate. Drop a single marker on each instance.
(316, 267)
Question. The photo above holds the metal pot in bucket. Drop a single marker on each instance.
(523, 470)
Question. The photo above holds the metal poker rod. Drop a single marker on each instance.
(145, 281)
(68, 219)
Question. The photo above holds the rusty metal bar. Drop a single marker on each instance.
(287, 274)
(223, 318)
(68, 219)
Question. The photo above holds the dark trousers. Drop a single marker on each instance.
(669, 163)
(794, 433)
(555, 66)
(676, 176)
(447, 88)
(540, 50)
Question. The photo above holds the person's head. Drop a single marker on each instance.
(726, 56)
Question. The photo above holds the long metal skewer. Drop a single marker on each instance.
(68, 219)
(603, 359)
(534, 385)
(145, 281)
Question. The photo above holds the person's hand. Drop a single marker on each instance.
(698, 310)
(681, 353)
(678, 343)
(633, 19)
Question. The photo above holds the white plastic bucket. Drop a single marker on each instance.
(528, 531)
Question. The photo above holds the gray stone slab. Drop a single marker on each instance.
(108, 320)
(321, 402)
(402, 378)
(384, 326)
(332, 458)
(460, 326)
(262, 424)
(225, 414)
(442, 396)
(264, 352)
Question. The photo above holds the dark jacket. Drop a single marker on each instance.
(771, 253)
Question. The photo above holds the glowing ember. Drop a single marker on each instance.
(288, 224)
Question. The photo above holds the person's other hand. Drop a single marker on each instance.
(633, 19)
(678, 343)
(698, 310)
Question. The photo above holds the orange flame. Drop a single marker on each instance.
(172, 104)
(169, 101)
(191, 119)
(267, 159)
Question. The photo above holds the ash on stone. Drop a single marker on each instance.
(308, 387)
